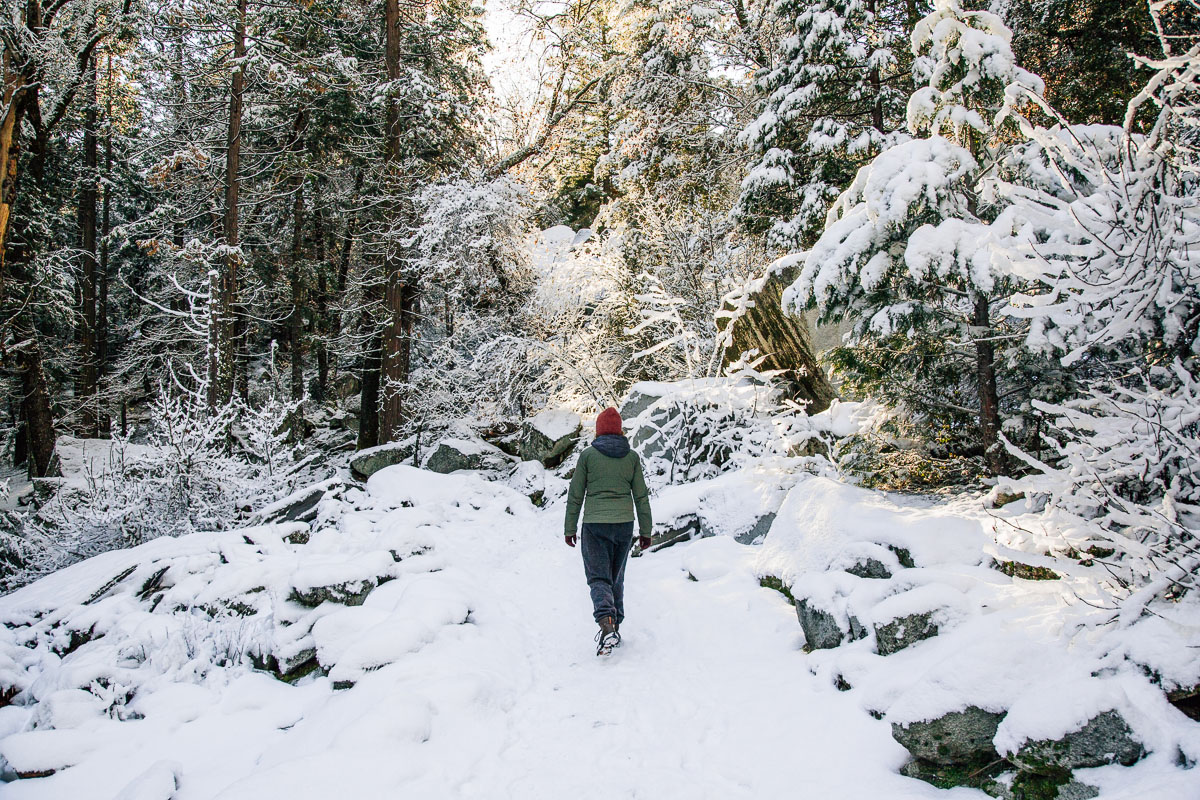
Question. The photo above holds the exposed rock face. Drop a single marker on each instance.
(549, 436)
(452, 454)
(904, 631)
(301, 506)
(677, 530)
(637, 402)
(760, 528)
(350, 593)
(367, 462)
(870, 568)
(959, 737)
(1104, 739)
(821, 628)
(785, 341)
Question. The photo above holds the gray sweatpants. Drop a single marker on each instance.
(606, 547)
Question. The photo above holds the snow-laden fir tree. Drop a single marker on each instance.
(907, 253)
(1111, 246)
(834, 99)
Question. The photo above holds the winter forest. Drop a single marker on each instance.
(308, 309)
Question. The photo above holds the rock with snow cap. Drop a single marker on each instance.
(549, 436)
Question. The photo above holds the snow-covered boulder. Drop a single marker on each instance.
(815, 531)
(366, 463)
(823, 630)
(959, 737)
(741, 504)
(549, 436)
(455, 453)
(1104, 739)
(301, 505)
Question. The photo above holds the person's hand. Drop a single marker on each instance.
(570, 538)
(644, 542)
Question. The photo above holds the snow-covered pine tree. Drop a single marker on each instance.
(907, 252)
(1110, 247)
(834, 99)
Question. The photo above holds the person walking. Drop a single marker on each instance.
(608, 484)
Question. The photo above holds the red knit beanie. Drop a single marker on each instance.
(609, 421)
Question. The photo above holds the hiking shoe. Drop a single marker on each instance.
(607, 637)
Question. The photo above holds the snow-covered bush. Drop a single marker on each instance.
(1110, 240)
(699, 428)
(199, 469)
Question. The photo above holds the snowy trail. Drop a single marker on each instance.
(709, 696)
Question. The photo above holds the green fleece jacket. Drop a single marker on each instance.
(607, 489)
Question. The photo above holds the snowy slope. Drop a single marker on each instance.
(470, 667)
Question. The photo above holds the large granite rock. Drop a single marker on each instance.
(870, 568)
(904, 631)
(960, 737)
(760, 528)
(1105, 738)
(549, 436)
(682, 529)
(349, 593)
(366, 463)
(822, 629)
(452, 454)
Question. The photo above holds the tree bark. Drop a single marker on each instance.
(399, 292)
(224, 330)
(295, 276)
(105, 419)
(989, 402)
(35, 408)
(368, 418)
(321, 311)
(87, 380)
(400, 302)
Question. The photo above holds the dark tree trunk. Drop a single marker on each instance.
(784, 340)
(400, 294)
(35, 409)
(87, 380)
(224, 332)
(321, 312)
(105, 418)
(989, 403)
(876, 86)
(368, 419)
(295, 276)
(400, 303)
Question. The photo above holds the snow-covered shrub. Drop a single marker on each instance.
(188, 475)
(1111, 237)
(698, 428)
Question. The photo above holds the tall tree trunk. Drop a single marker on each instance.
(989, 403)
(105, 419)
(295, 277)
(36, 436)
(368, 418)
(399, 294)
(224, 332)
(400, 304)
(35, 408)
(321, 312)
(876, 84)
(87, 380)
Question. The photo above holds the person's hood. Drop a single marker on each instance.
(613, 445)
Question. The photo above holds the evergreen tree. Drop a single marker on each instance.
(907, 254)
(834, 99)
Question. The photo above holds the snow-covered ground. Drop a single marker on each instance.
(470, 666)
